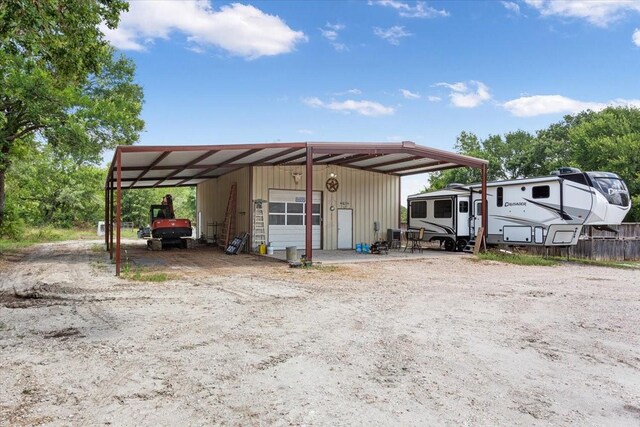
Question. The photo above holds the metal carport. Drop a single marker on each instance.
(135, 167)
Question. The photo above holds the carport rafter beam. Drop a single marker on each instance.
(290, 159)
(323, 158)
(432, 169)
(158, 159)
(408, 168)
(188, 165)
(353, 159)
(394, 162)
(278, 155)
(458, 159)
(221, 165)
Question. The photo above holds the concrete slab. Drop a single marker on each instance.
(351, 256)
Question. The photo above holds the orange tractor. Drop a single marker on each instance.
(166, 230)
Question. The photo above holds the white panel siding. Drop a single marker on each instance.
(372, 196)
(212, 197)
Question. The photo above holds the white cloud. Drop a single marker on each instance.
(636, 37)
(511, 7)
(434, 98)
(529, 106)
(348, 92)
(331, 33)
(392, 35)
(420, 10)
(306, 131)
(365, 108)
(596, 12)
(239, 29)
(467, 95)
(409, 95)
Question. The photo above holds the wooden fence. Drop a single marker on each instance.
(602, 245)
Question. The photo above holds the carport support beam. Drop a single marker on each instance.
(118, 208)
(484, 201)
(111, 219)
(106, 217)
(309, 204)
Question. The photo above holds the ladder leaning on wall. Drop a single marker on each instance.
(259, 235)
(230, 217)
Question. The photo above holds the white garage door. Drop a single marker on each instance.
(287, 218)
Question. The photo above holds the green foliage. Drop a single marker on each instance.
(518, 259)
(52, 189)
(62, 84)
(136, 203)
(143, 274)
(403, 214)
(608, 140)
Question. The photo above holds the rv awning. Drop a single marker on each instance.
(175, 166)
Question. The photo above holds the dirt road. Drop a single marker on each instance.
(427, 342)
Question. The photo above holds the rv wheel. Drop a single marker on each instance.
(449, 245)
(461, 244)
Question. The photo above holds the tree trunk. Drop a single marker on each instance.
(2, 196)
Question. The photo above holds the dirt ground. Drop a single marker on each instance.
(437, 341)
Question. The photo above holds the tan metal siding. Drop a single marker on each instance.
(212, 197)
(372, 196)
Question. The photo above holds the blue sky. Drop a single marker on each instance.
(264, 71)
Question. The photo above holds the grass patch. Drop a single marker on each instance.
(143, 274)
(98, 247)
(49, 234)
(518, 259)
(628, 265)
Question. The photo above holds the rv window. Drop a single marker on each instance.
(464, 207)
(499, 198)
(540, 192)
(442, 209)
(419, 209)
(576, 177)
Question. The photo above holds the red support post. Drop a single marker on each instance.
(106, 218)
(309, 204)
(118, 208)
(111, 207)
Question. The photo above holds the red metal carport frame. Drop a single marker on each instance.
(173, 166)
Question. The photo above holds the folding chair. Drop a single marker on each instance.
(416, 241)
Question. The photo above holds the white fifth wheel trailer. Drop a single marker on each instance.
(545, 211)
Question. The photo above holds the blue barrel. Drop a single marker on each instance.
(359, 248)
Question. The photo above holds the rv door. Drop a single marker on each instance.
(476, 222)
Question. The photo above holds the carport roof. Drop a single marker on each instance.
(175, 166)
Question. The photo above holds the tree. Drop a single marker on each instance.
(508, 158)
(52, 189)
(608, 140)
(62, 84)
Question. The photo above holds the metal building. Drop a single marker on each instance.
(354, 187)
